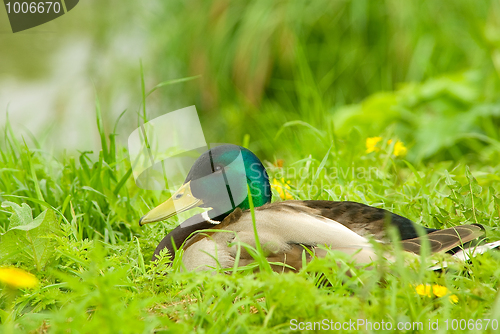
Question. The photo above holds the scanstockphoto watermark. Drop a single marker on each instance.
(355, 325)
(330, 173)
(381, 325)
(163, 150)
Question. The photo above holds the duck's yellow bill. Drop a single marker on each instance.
(180, 201)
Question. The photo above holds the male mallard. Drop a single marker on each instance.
(221, 179)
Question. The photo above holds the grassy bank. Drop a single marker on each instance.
(91, 258)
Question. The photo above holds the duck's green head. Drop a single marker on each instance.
(218, 180)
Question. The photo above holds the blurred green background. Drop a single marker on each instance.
(426, 72)
(299, 82)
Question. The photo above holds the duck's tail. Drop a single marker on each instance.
(463, 242)
(467, 253)
(448, 240)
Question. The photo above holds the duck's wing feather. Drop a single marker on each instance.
(283, 231)
(361, 218)
(286, 228)
(447, 239)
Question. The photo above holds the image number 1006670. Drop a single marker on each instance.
(33, 7)
(31, 13)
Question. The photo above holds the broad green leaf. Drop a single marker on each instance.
(22, 214)
(29, 240)
(449, 179)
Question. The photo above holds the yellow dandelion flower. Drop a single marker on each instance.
(423, 290)
(439, 290)
(436, 290)
(399, 149)
(281, 188)
(17, 278)
(371, 144)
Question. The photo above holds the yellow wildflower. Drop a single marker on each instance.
(423, 290)
(371, 144)
(17, 278)
(399, 148)
(281, 188)
(437, 290)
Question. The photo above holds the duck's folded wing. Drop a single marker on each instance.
(445, 240)
(282, 233)
(361, 218)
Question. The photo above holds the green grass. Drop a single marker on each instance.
(92, 259)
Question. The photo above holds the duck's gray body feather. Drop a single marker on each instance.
(282, 230)
(285, 228)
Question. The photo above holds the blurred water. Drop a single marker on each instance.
(56, 107)
(50, 76)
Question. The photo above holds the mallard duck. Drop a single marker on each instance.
(221, 180)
